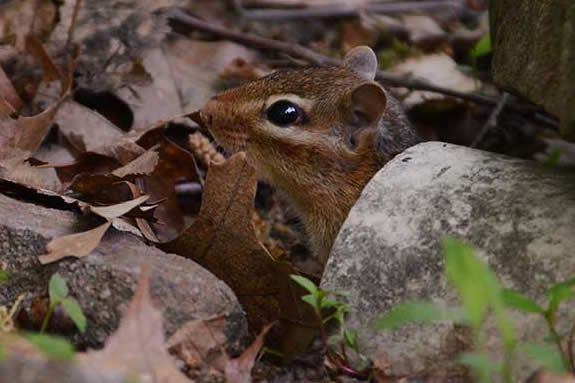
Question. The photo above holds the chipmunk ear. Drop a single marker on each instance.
(362, 61)
(367, 105)
(368, 101)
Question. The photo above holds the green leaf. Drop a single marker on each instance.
(477, 287)
(351, 339)
(417, 312)
(479, 363)
(53, 347)
(546, 356)
(553, 157)
(327, 303)
(559, 293)
(57, 288)
(520, 302)
(4, 276)
(311, 300)
(482, 47)
(305, 283)
(470, 278)
(74, 311)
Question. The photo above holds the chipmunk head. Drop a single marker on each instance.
(293, 116)
(319, 134)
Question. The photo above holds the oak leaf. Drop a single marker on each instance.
(77, 244)
(137, 347)
(223, 240)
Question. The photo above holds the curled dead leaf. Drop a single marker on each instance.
(223, 240)
(239, 370)
(115, 211)
(10, 101)
(76, 245)
(137, 348)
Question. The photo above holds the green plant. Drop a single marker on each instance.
(396, 52)
(328, 309)
(4, 276)
(563, 356)
(53, 347)
(553, 157)
(482, 296)
(58, 293)
(482, 47)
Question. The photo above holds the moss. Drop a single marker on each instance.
(397, 52)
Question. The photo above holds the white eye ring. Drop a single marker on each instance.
(304, 104)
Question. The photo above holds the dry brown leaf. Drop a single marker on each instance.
(13, 167)
(424, 31)
(76, 245)
(115, 211)
(137, 348)
(439, 69)
(174, 165)
(223, 240)
(87, 163)
(51, 72)
(196, 65)
(26, 133)
(239, 370)
(85, 129)
(159, 99)
(19, 19)
(200, 343)
(142, 165)
(10, 102)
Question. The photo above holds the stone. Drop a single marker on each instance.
(534, 53)
(104, 281)
(518, 214)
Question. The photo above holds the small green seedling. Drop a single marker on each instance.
(4, 276)
(482, 47)
(54, 347)
(556, 295)
(58, 292)
(553, 157)
(323, 301)
(481, 295)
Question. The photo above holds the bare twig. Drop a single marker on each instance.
(193, 23)
(72, 27)
(491, 121)
(344, 11)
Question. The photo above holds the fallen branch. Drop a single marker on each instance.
(491, 121)
(346, 11)
(189, 22)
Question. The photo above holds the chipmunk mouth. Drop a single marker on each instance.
(231, 141)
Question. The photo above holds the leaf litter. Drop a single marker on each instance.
(127, 168)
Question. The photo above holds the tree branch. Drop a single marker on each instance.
(346, 11)
(193, 23)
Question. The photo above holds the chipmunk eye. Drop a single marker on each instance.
(283, 112)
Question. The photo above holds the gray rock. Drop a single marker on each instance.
(518, 214)
(534, 53)
(104, 281)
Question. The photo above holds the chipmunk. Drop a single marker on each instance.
(317, 134)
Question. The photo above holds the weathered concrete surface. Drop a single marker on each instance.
(534, 53)
(520, 215)
(104, 281)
